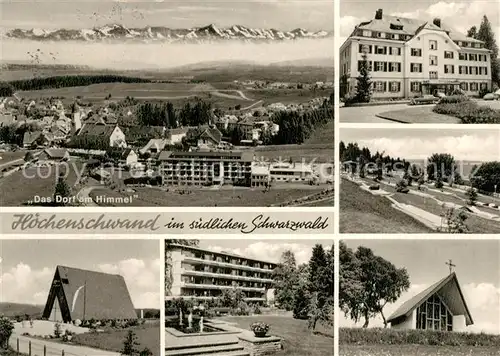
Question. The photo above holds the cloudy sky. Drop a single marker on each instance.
(477, 268)
(463, 144)
(267, 250)
(279, 14)
(27, 266)
(458, 14)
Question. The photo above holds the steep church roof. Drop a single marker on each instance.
(449, 290)
(98, 295)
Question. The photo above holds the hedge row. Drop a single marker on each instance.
(379, 336)
(469, 112)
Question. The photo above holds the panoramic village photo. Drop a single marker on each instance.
(120, 104)
(419, 297)
(421, 62)
(249, 297)
(419, 181)
(103, 300)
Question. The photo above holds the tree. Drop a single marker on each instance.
(231, 298)
(455, 221)
(441, 166)
(62, 191)
(471, 196)
(486, 34)
(472, 33)
(29, 156)
(300, 304)
(285, 279)
(378, 282)
(130, 344)
(486, 178)
(364, 84)
(6, 330)
(350, 286)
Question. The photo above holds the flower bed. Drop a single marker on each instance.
(469, 112)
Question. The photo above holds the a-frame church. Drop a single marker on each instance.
(81, 294)
(440, 307)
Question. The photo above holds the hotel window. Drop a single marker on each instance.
(394, 87)
(380, 86)
(473, 87)
(477, 45)
(464, 86)
(416, 67)
(394, 36)
(473, 70)
(433, 60)
(449, 69)
(415, 87)
(462, 70)
(395, 51)
(380, 50)
(416, 52)
(433, 75)
(462, 56)
(381, 35)
(483, 86)
(448, 54)
(472, 57)
(433, 45)
(365, 48)
(433, 314)
(380, 67)
(367, 33)
(394, 67)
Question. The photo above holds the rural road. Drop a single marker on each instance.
(11, 162)
(367, 114)
(54, 348)
(83, 196)
(252, 105)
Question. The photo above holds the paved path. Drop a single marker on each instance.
(252, 105)
(367, 114)
(54, 348)
(84, 197)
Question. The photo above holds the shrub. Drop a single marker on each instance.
(471, 196)
(57, 330)
(438, 184)
(453, 99)
(146, 352)
(129, 344)
(402, 186)
(257, 310)
(469, 112)
(6, 329)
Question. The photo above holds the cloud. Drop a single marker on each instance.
(22, 284)
(271, 251)
(465, 147)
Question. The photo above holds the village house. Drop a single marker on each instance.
(112, 134)
(123, 157)
(154, 146)
(54, 155)
(35, 138)
(175, 136)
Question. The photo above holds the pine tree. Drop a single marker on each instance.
(300, 304)
(62, 190)
(364, 84)
(130, 344)
(486, 35)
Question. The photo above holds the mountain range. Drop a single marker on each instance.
(210, 33)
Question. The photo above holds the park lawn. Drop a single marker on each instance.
(297, 339)
(362, 212)
(322, 203)
(10, 352)
(148, 335)
(320, 152)
(10, 156)
(202, 197)
(18, 188)
(418, 115)
(286, 96)
(416, 350)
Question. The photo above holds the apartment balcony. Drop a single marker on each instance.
(224, 264)
(214, 286)
(196, 297)
(225, 276)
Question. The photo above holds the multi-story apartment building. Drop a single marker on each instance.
(409, 57)
(202, 274)
(206, 167)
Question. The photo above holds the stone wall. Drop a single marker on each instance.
(260, 346)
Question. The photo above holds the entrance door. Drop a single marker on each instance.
(55, 313)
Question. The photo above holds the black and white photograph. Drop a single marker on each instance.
(422, 62)
(249, 297)
(167, 103)
(419, 297)
(80, 297)
(419, 181)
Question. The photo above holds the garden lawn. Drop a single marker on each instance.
(416, 350)
(297, 339)
(201, 197)
(18, 188)
(148, 335)
(362, 212)
(418, 115)
(469, 112)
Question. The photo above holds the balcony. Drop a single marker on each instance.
(225, 276)
(214, 286)
(224, 264)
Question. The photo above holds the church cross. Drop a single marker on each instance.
(451, 265)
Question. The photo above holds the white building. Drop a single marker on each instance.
(410, 57)
(440, 307)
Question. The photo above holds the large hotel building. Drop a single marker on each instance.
(202, 274)
(409, 57)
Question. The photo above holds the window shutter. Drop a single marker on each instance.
(385, 66)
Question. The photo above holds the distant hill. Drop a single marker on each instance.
(14, 309)
(309, 62)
